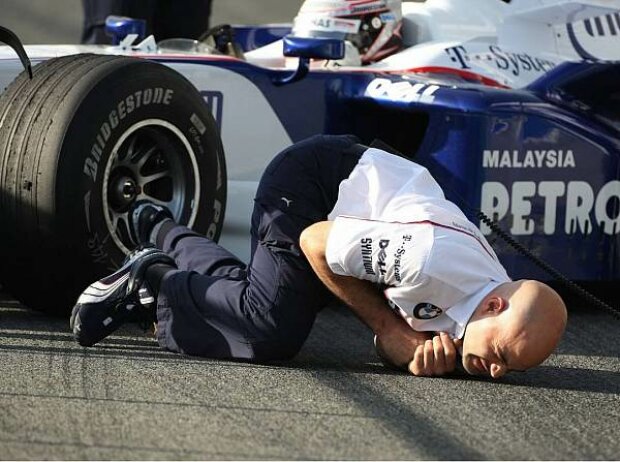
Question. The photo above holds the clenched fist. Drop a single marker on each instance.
(435, 357)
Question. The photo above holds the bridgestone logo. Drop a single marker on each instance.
(120, 111)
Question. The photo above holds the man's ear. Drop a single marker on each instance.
(495, 305)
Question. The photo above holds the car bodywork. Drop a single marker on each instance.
(512, 107)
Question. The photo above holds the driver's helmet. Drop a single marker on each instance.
(371, 26)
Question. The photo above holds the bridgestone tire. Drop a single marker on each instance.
(79, 143)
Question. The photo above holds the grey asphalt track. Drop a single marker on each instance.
(127, 399)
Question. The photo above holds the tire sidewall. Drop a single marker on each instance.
(130, 96)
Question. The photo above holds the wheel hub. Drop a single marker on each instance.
(125, 190)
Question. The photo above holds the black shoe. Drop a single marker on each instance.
(108, 303)
(143, 216)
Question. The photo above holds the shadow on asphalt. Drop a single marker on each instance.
(582, 338)
(339, 362)
(567, 378)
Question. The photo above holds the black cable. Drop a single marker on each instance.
(576, 288)
(559, 277)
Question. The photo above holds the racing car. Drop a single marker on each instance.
(512, 106)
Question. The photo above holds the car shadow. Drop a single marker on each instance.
(352, 354)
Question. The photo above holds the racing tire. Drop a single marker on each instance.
(81, 142)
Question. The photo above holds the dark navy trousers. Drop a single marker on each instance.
(216, 306)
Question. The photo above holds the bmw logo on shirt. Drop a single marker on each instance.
(426, 311)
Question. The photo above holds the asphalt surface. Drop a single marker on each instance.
(127, 399)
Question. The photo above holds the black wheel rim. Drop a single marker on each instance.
(152, 161)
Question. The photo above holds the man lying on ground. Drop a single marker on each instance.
(333, 217)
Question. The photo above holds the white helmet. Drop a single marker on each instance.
(372, 26)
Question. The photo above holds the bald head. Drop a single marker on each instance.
(515, 327)
(533, 323)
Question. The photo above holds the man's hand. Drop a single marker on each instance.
(435, 357)
(398, 343)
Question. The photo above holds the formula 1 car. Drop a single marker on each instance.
(513, 107)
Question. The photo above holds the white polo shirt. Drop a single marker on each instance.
(394, 227)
